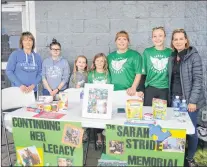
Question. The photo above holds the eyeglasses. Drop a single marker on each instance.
(55, 49)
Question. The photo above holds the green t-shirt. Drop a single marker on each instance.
(124, 67)
(155, 66)
(98, 78)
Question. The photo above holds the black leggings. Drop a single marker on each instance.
(152, 92)
(99, 130)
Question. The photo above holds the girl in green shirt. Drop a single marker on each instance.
(99, 75)
(155, 65)
(99, 70)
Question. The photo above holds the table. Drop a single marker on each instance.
(74, 115)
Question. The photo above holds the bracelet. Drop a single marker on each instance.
(58, 89)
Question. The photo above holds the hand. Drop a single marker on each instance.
(191, 107)
(54, 92)
(23, 88)
(30, 88)
(77, 86)
(50, 91)
(140, 94)
(131, 91)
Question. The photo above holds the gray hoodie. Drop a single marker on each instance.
(78, 78)
(55, 72)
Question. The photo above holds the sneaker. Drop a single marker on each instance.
(85, 136)
(192, 163)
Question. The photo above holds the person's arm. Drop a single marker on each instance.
(39, 74)
(197, 85)
(72, 83)
(10, 68)
(138, 70)
(108, 78)
(44, 80)
(89, 80)
(65, 76)
(141, 86)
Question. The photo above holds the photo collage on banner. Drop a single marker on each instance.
(47, 142)
(146, 146)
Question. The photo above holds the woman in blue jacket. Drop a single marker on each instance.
(185, 81)
(24, 65)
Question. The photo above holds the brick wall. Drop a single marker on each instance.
(89, 27)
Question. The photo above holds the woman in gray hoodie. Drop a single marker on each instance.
(55, 71)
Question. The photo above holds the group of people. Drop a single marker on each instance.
(160, 72)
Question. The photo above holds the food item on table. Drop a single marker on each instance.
(159, 108)
(148, 116)
(54, 106)
(63, 102)
(134, 108)
(47, 107)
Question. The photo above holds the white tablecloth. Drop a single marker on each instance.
(74, 114)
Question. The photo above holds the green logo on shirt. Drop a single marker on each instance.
(159, 64)
(117, 65)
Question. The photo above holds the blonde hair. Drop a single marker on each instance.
(158, 28)
(122, 34)
(75, 67)
(180, 30)
(28, 35)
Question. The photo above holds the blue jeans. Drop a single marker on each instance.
(45, 92)
(192, 139)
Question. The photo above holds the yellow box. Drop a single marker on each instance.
(134, 109)
(159, 108)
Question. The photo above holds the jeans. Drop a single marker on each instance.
(192, 139)
(45, 92)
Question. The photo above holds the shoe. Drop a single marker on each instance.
(192, 163)
(85, 136)
(103, 133)
(99, 143)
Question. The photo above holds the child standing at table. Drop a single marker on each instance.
(79, 78)
(55, 71)
(79, 75)
(99, 75)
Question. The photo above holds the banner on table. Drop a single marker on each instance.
(146, 146)
(41, 142)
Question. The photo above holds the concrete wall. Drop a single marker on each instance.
(89, 27)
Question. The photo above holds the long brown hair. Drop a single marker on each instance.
(29, 35)
(187, 45)
(105, 67)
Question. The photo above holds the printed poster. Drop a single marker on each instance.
(47, 142)
(146, 146)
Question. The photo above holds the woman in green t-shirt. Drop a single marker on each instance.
(125, 65)
(155, 65)
(99, 75)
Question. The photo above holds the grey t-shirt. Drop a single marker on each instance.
(79, 78)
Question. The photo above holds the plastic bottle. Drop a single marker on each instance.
(183, 106)
(81, 94)
(176, 106)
